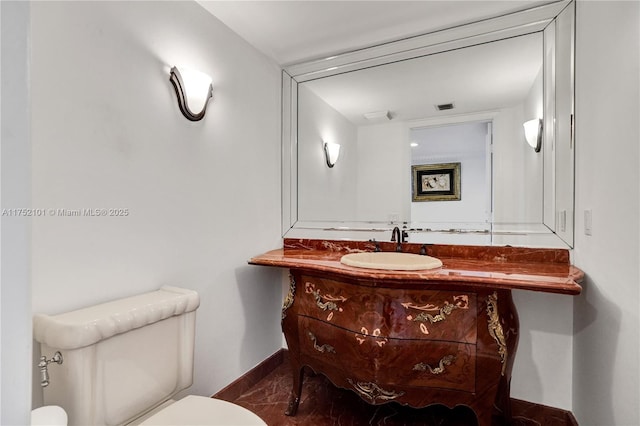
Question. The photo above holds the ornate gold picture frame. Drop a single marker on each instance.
(436, 182)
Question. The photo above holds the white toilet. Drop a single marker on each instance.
(124, 360)
(49, 415)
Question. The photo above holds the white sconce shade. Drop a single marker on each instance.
(331, 153)
(533, 133)
(193, 89)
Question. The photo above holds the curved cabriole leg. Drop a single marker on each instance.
(484, 412)
(485, 418)
(292, 407)
(296, 391)
(503, 401)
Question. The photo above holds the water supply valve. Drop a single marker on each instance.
(44, 365)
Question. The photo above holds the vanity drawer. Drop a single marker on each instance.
(406, 363)
(430, 314)
(333, 347)
(431, 364)
(392, 313)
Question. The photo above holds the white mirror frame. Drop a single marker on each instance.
(511, 25)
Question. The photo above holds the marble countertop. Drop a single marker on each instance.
(545, 270)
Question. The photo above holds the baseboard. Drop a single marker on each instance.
(551, 415)
(245, 382)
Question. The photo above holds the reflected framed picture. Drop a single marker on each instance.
(436, 182)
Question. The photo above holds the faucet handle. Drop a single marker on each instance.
(424, 248)
(373, 240)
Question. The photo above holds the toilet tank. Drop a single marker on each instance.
(121, 359)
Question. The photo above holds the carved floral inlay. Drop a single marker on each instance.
(373, 392)
(433, 313)
(495, 328)
(380, 341)
(325, 302)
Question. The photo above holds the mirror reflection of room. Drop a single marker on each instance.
(375, 113)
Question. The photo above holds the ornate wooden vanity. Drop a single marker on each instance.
(444, 336)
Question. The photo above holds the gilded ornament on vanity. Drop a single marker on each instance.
(320, 348)
(441, 316)
(445, 361)
(373, 392)
(288, 301)
(459, 302)
(495, 328)
(324, 302)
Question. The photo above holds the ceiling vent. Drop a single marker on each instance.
(444, 107)
(378, 116)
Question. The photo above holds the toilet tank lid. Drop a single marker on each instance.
(84, 327)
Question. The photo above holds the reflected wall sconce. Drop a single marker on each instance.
(331, 153)
(193, 89)
(533, 133)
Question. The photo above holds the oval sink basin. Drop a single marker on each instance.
(391, 260)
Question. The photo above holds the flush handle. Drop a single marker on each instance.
(43, 365)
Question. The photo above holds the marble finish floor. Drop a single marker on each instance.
(323, 404)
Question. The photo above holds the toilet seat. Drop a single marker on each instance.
(200, 410)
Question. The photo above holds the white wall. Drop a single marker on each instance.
(202, 197)
(15, 294)
(606, 348)
(326, 194)
(543, 369)
(383, 167)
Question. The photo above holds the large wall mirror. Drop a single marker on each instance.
(433, 138)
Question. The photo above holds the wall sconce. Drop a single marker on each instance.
(533, 133)
(331, 153)
(193, 89)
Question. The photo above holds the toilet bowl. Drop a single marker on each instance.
(200, 410)
(124, 361)
(49, 415)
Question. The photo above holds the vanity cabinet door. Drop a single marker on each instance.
(386, 312)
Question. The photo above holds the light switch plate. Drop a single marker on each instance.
(562, 220)
(587, 222)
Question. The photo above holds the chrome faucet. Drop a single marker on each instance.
(399, 237)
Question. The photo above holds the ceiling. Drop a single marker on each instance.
(479, 78)
(295, 31)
